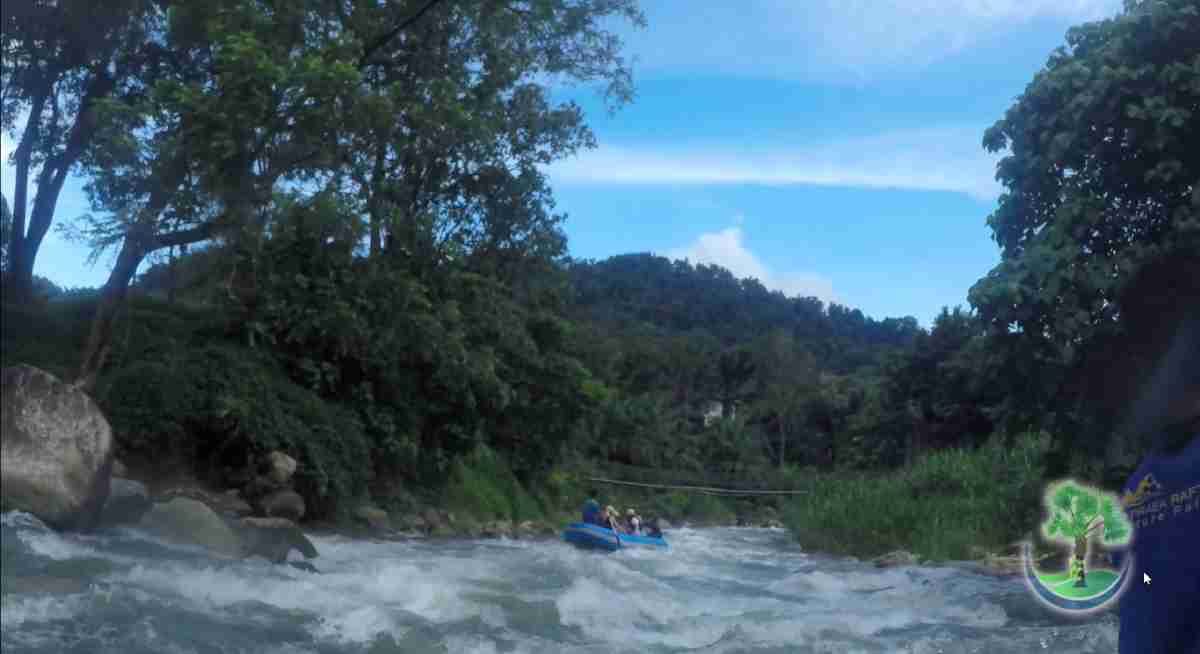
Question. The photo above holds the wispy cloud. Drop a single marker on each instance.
(726, 248)
(824, 38)
(941, 159)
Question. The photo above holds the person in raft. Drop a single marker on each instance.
(633, 522)
(611, 518)
(591, 509)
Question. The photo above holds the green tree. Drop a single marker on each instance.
(1077, 513)
(61, 61)
(202, 154)
(1102, 158)
(788, 378)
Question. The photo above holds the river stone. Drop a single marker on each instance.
(128, 501)
(374, 516)
(280, 467)
(412, 523)
(896, 558)
(433, 520)
(274, 538)
(285, 503)
(190, 522)
(527, 529)
(55, 449)
(228, 504)
(497, 529)
(1003, 566)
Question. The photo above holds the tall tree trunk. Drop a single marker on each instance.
(112, 296)
(376, 201)
(782, 440)
(27, 238)
(20, 287)
(1080, 555)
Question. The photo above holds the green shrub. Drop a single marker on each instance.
(214, 405)
(482, 486)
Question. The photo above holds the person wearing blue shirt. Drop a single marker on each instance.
(1162, 500)
(591, 509)
(1158, 360)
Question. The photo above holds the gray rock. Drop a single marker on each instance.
(374, 516)
(228, 504)
(119, 469)
(55, 449)
(285, 503)
(433, 519)
(896, 558)
(273, 539)
(412, 523)
(128, 501)
(497, 529)
(190, 522)
(280, 467)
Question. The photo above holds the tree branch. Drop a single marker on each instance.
(383, 40)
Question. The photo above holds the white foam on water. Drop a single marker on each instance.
(629, 601)
(19, 611)
(43, 541)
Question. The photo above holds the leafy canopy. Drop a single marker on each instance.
(1101, 171)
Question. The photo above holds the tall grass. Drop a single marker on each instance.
(938, 508)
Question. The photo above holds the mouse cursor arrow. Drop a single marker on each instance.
(1145, 578)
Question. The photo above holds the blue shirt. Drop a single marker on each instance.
(1162, 500)
(591, 511)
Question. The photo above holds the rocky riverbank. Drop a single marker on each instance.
(58, 465)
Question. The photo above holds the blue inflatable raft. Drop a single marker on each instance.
(582, 534)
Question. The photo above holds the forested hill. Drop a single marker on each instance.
(633, 291)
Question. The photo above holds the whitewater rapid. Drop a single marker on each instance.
(715, 591)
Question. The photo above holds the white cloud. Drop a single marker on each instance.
(726, 249)
(936, 159)
(828, 38)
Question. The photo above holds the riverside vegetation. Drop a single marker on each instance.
(403, 319)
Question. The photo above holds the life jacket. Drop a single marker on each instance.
(591, 512)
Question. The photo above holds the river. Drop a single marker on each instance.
(716, 591)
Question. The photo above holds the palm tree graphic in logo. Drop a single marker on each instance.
(1077, 516)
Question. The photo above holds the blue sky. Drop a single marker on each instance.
(826, 147)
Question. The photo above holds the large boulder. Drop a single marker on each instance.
(55, 449)
(128, 501)
(190, 522)
(284, 503)
(273, 539)
(280, 468)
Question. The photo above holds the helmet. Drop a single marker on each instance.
(630, 512)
